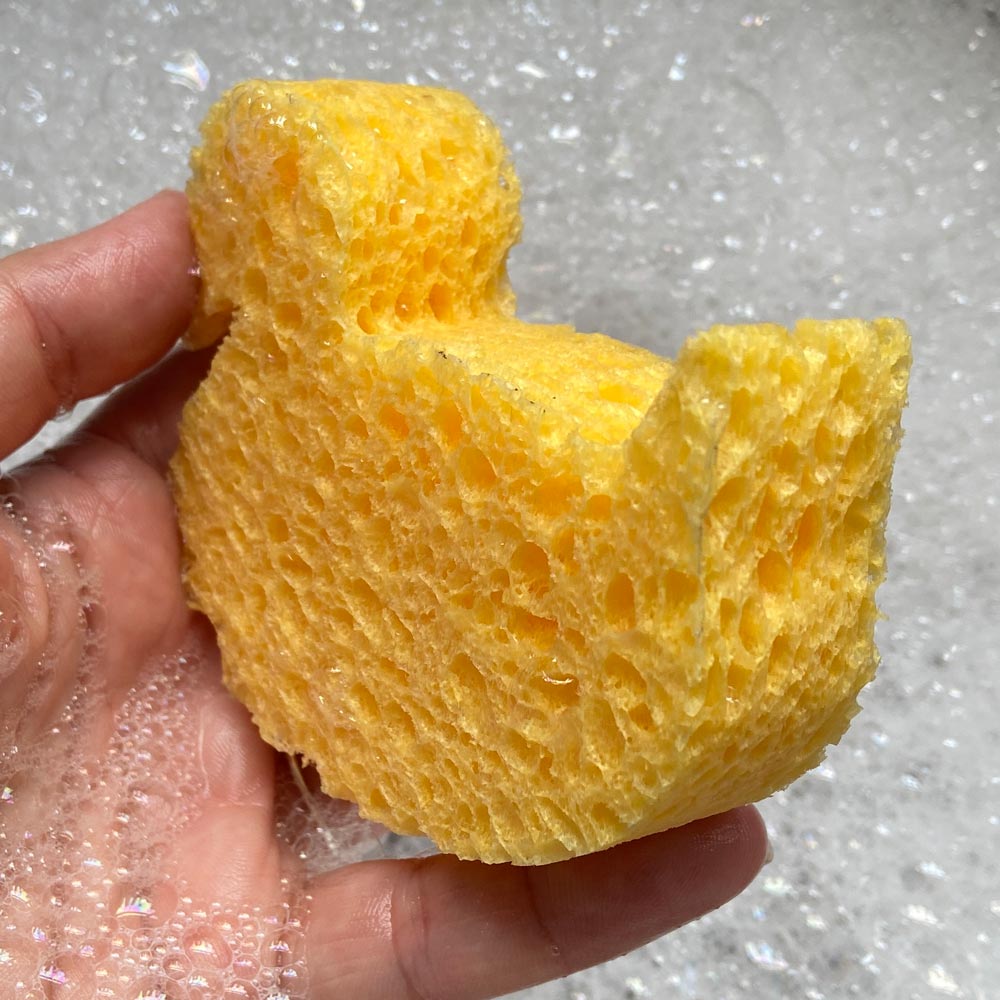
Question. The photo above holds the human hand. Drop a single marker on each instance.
(90, 592)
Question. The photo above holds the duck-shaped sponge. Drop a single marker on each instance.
(527, 591)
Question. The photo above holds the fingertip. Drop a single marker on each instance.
(744, 827)
(166, 199)
(757, 835)
(170, 210)
(168, 192)
(733, 846)
(165, 218)
(653, 885)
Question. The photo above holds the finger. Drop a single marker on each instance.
(79, 316)
(456, 930)
(145, 415)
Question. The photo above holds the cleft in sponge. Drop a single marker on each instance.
(527, 591)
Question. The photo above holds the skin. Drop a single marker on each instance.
(96, 311)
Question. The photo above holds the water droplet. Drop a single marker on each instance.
(19, 894)
(762, 954)
(10, 236)
(143, 939)
(142, 906)
(775, 885)
(919, 914)
(564, 133)
(152, 988)
(245, 966)
(276, 950)
(703, 264)
(939, 979)
(532, 69)
(188, 70)
(176, 965)
(206, 948)
(53, 974)
(288, 978)
(135, 906)
(241, 991)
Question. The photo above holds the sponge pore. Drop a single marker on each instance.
(527, 591)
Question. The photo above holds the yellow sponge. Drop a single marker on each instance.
(528, 591)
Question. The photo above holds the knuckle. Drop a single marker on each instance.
(23, 311)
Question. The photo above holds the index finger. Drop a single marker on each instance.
(81, 315)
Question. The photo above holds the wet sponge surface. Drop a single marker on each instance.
(528, 591)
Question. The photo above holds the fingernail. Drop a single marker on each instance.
(769, 853)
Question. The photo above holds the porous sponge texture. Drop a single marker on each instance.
(527, 591)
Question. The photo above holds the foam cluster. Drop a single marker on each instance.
(528, 591)
(92, 904)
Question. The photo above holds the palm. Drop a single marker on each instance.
(100, 511)
(140, 789)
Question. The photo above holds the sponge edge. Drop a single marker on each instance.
(528, 591)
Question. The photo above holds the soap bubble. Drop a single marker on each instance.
(90, 903)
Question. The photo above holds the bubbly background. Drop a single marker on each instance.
(683, 163)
